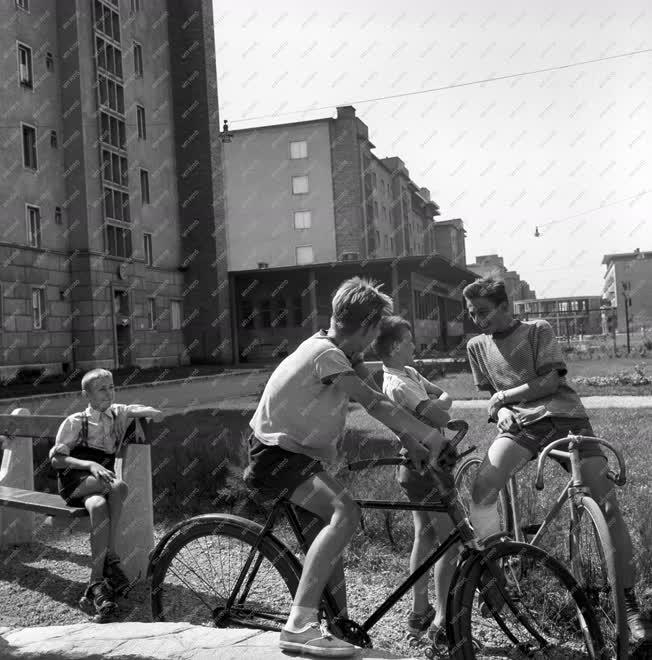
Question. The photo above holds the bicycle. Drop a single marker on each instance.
(590, 550)
(225, 570)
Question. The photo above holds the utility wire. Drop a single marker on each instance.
(398, 96)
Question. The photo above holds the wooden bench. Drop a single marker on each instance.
(19, 502)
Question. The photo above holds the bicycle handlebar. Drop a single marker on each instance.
(618, 478)
(462, 429)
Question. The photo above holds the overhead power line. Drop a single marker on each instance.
(391, 96)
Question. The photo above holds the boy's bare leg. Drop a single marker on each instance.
(602, 490)
(326, 498)
(444, 568)
(311, 525)
(425, 539)
(94, 491)
(504, 457)
(116, 499)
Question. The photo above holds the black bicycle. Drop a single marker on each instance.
(225, 570)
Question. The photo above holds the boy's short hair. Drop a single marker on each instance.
(94, 374)
(487, 287)
(359, 304)
(392, 329)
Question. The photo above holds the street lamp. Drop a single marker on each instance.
(628, 304)
(226, 135)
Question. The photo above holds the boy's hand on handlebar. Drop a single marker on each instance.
(447, 458)
(507, 420)
(417, 453)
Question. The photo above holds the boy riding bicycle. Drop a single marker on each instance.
(298, 423)
(404, 386)
(521, 365)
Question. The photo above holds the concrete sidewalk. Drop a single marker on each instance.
(590, 402)
(156, 641)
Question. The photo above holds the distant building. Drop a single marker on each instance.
(314, 192)
(277, 308)
(634, 271)
(491, 265)
(568, 316)
(450, 241)
(112, 215)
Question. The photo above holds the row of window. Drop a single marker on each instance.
(112, 132)
(25, 65)
(136, 5)
(40, 313)
(263, 314)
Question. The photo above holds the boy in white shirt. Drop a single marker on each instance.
(403, 385)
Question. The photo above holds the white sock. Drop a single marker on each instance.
(484, 518)
(301, 618)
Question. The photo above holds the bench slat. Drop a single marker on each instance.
(47, 503)
(35, 426)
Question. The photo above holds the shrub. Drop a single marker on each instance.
(636, 377)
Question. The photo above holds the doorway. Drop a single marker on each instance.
(122, 319)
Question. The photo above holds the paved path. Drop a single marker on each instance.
(588, 401)
(158, 641)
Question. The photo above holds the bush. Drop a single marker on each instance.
(636, 377)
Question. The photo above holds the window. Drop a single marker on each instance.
(302, 220)
(299, 149)
(135, 6)
(118, 241)
(116, 204)
(25, 76)
(138, 60)
(38, 308)
(299, 185)
(114, 168)
(53, 139)
(149, 259)
(175, 314)
(33, 226)
(49, 61)
(297, 310)
(23, 4)
(113, 131)
(144, 186)
(57, 215)
(142, 128)
(266, 314)
(151, 313)
(305, 255)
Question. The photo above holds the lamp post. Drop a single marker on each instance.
(628, 303)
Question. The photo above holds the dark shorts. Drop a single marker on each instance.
(418, 487)
(70, 479)
(539, 435)
(274, 473)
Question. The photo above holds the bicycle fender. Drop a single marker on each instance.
(217, 518)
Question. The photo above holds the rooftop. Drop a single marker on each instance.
(626, 256)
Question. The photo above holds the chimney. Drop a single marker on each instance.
(346, 112)
(425, 193)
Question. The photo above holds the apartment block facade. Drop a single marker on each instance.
(628, 280)
(111, 202)
(492, 265)
(314, 192)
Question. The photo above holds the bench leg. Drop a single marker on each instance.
(136, 539)
(17, 471)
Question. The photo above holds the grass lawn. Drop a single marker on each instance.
(460, 385)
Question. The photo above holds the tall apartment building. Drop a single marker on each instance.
(314, 192)
(112, 245)
(628, 275)
(491, 265)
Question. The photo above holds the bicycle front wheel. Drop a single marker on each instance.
(531, 604)
(593, 562)
(195, 576)
(464, 479)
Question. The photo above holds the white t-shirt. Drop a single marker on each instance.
(300, 410)
(405, 388)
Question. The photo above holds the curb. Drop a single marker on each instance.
(176, 381)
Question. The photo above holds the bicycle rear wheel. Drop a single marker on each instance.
(464, 479)
(196, 573)
(593, 562)
(547, 613)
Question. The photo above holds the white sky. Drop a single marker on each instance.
(504, 156)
